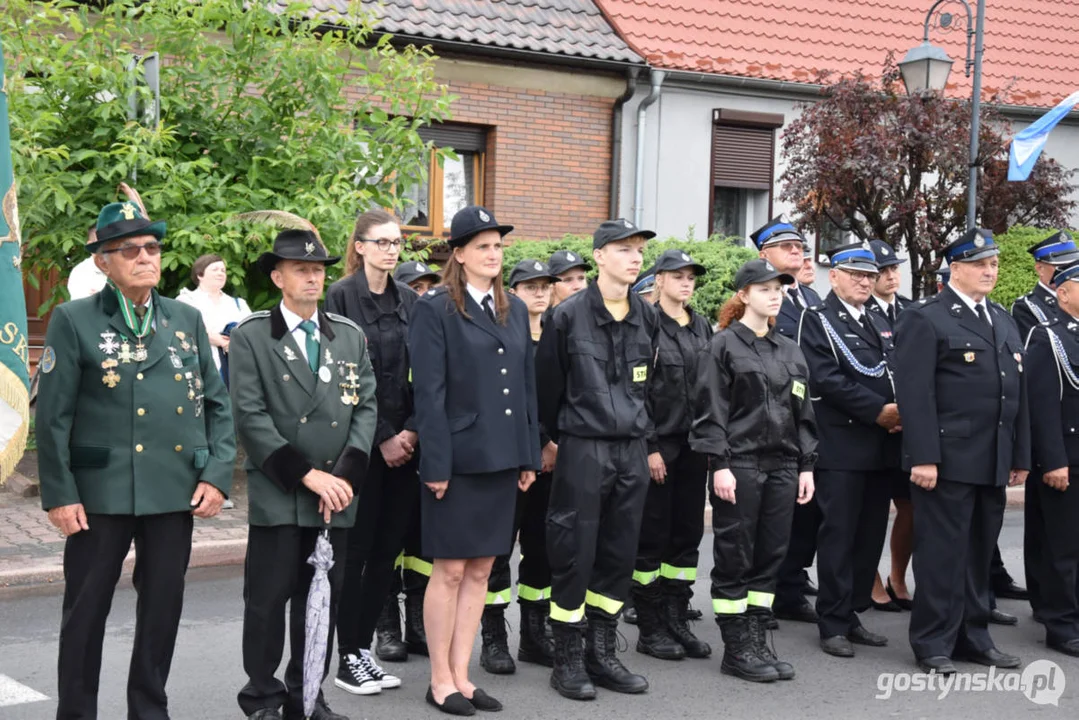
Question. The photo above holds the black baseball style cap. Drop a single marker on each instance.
(758, 271)
(614, 230)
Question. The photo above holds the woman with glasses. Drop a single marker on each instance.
(474, 377)
(371, 298)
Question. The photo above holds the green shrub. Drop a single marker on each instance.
(720, 256)
(1017, 275)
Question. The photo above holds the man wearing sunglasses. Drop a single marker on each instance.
(135, 439)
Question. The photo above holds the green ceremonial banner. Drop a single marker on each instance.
(14, 352)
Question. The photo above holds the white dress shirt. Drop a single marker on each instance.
(479, 295)
(856, 313)
(969, 302)
(292, 322)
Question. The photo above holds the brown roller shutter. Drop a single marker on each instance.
(742, 157)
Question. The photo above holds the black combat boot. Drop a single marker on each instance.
(739, 651)
(495, 655)
(535, 646)
(388, 643)
(601, 660)
(759, 623)
(629, 612)
(569, 677)
(676, 605)
(654, 638)
(415, 635)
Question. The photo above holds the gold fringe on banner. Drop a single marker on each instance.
(14, 393)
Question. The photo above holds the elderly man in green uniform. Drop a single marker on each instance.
(134, 438)
(304, 397)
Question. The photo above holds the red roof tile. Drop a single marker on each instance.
(1029, 44)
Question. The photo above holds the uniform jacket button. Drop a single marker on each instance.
(141, 411)
(179, 411)
(329, 463)
(503, 371)
(139, 376)
(303, 420)
(333, 424)
(179, 448)
(285, 378)
(508, 411)
(505, 391)
(178, 377)
(501, 351)
(138, 448)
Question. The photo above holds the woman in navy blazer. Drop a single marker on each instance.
(475, 406)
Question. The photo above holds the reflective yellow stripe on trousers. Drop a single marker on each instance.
(670, 572)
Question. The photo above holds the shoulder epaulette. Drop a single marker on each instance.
(343, 320)
(252, 316)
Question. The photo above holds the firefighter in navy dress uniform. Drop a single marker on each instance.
(1053, 383)
(1036, 307)
(754, 422)
(674, 509)
(533, 283)
(475, 406)
(784, 247)
(595, 361)
(966, 435)
(847, 349)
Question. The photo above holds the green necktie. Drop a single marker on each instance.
(312, 344)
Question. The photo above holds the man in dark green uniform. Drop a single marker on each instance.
(134, 438)
(304, 398)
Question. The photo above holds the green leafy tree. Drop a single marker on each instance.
(262, 106)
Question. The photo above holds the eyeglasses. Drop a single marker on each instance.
(130, 252)
(532, 289)
(861, 277)
(385, 244)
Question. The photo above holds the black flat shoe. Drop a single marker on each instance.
(482, 701)
(990, 658)
(998, 617)
(1068, 647)
(1010, 591)
(891, 606)
(837, 646)
(800, 613)
(903, 603)
(454, 704)
(860, 636)
(940, 664)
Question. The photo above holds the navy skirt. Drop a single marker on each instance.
(473, 519)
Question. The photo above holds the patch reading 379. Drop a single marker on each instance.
(798, 389)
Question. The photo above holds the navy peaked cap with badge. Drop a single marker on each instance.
(413, 270)
(295, 245)
(675, 259)
(1066, 273)
(531, 269)
(615, 230)
(1057, 249)
(776, 230)
(974, 244)
(562, 261)
(645, 284)
(468, 222)
(944, 274)
(758, 271)
(857, 257)
(884, 254)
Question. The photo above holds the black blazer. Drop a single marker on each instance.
(1037, 306)
(845, 400)
(790, 314)
(961, 391)
(475, 388)
(1054, 401)
(901, 304)
(387, 342)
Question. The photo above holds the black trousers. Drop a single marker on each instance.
(374, 542)
(1058, 562)
(93, 560)
(530, 529)
(1034, 559)
(593, 522)
(276, 574)
(749, 537)
(805, 526)
(673, 523)
(854, 521)
(955, 530)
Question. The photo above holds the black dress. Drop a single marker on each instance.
(475, 400)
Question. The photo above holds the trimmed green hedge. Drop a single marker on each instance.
(720, 256)
(1017, 275)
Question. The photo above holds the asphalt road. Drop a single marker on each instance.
(207, 669)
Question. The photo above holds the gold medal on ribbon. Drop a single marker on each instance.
(111, 379)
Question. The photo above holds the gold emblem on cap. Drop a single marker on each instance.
(309, 248)
(128, 211)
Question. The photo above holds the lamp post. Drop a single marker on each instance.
(927, 67)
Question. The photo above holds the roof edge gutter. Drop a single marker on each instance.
(616, 139)
(656, 77)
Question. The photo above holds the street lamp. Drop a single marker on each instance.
(926, 68)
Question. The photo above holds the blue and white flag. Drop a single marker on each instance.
(1028, 143)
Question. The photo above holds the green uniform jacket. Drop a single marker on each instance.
(290, 420)
(125, 437)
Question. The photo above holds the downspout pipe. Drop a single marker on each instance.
(642, 116)
(616, 139)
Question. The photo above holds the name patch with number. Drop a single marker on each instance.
(640, 374)
(798, 389)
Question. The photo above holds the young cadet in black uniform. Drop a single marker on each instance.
(847, 350)
(572, 272)
(1053, 383)
(594, 364)
(368, 296)
(1036, 307)
(886, 304)
(754, 421)
(532, 282)
(784, 247)
(966, 434)
(674, 510)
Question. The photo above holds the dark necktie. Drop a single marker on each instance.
(861, 321)
(890, 312)
(308, 328)
(140, 313)
(796, 297)
(980, 309)
(487, 307)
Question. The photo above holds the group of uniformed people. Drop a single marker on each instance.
(422, 435)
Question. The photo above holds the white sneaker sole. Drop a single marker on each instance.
(390, 681)
(368, 689)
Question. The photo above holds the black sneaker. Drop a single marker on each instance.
(354, 676)
(386, 680)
